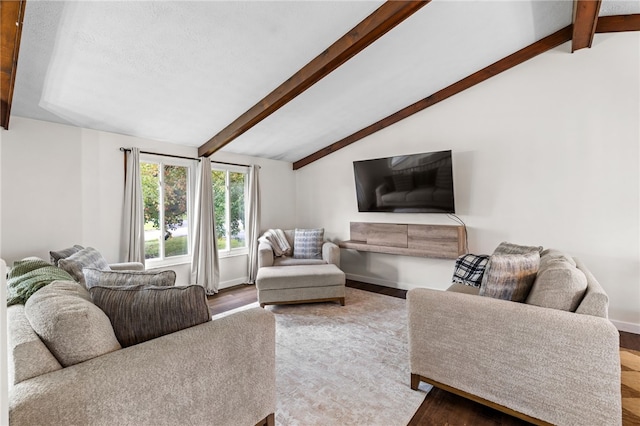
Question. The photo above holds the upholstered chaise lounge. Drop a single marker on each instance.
(287, 277)
(542, 364)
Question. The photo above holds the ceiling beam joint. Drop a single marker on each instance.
(374, 26)
(585, 19)
(11, 19)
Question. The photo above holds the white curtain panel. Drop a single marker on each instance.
(132, 239)
(253, 222)
(205, 270)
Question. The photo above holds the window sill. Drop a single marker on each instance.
(235, 253)
(157, 264)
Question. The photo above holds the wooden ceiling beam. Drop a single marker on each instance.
(374, 26)
(11, 18)
(541, 46)
(618, 23)
(585, 19)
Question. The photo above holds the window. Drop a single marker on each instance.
(229, 198)
(166, 194)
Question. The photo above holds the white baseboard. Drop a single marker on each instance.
(620, 325)
(629, 327)
(231, 283)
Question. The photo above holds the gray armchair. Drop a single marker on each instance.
(266, 256)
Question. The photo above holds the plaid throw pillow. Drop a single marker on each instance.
(469, 269)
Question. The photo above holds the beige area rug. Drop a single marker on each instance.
(630, 366)
(344, 365)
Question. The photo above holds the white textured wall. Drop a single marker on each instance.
(546, 153)
(63, 185)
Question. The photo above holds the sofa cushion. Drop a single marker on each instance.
(510, 276)
(72, 327)
(85, 258)
(469, 269)
(140, 313)
(94, 277)
(552, 255)
(290, 261)
(463, 288)
(308, 243)
(63, 254)
(559, 285)
(27, 355)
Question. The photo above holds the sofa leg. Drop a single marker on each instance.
(342, 301)
(415, 381)
(270, 420)
(262, 305)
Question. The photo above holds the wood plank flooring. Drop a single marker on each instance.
(440, 407)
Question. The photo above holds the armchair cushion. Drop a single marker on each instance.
(96, 277)
(70, 325)
(85, 258)
(140, 313)
(308, 243)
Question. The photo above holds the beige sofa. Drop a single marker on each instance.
(540, 364)
(219, 372)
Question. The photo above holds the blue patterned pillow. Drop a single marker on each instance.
(307, 243)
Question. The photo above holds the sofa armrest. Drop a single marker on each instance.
(219, 372)
(331, 253)
(127, 266)
(554, 365)
(265, 254)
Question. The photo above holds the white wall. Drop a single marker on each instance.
(546, 153)
(63, 185)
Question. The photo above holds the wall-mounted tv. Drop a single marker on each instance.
(416, 183)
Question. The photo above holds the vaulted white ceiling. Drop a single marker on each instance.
(180, 71)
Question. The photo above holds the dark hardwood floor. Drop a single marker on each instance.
(439, 407)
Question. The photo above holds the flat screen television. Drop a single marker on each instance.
(416, 183)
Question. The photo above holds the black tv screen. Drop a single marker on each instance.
(416, 183)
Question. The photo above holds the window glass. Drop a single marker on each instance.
(219, 182)
(236, 203)
(176, 234)
(165, 193)
(150, 179)
(229, 197)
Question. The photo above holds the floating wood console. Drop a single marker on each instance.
(441, 241)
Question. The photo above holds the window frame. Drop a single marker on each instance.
(228, 168)
(162, 161)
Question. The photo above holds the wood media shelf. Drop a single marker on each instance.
(439, 241)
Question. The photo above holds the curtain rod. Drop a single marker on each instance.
(184, 158)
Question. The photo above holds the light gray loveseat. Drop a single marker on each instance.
(540, 364)
(218, 372)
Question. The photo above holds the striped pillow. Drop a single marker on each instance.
(510, 276)
(63, 254)
(140, 313)
(307, 243)
(96, 277)
(85, 258)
